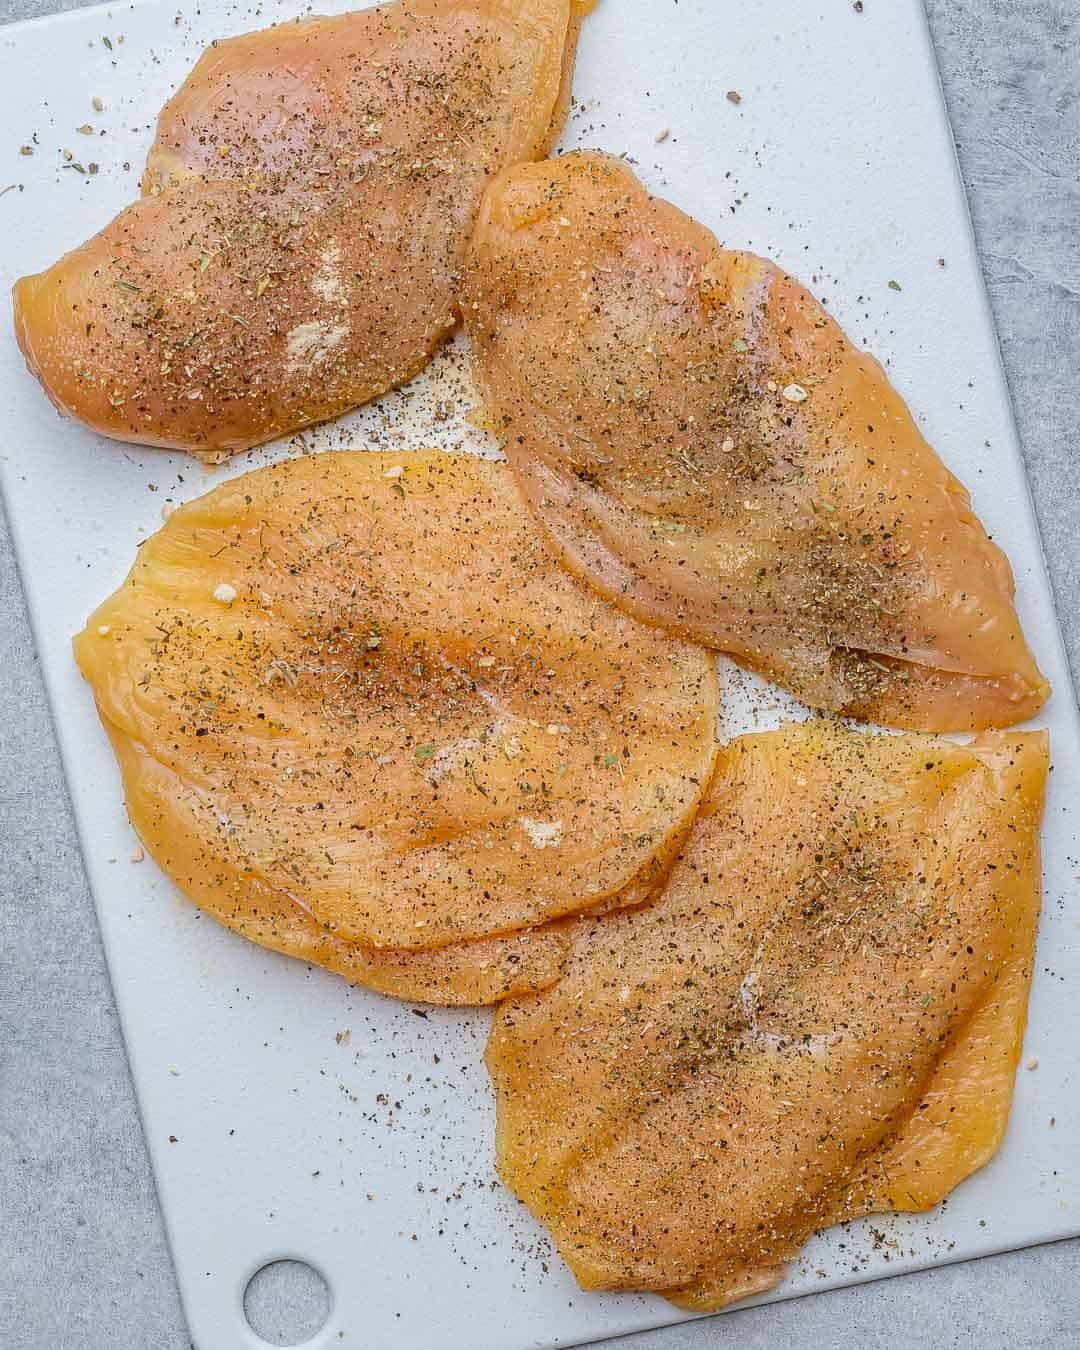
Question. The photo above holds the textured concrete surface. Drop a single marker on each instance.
(83, 1260)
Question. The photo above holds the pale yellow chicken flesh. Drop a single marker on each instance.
(820, 1017)
(173, 820)
(705, 445)
(309, 197)
(362, 684)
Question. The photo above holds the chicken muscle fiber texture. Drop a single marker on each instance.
(174, 821)
(819, 1018)
(308, 200)
(376, 692)
(707, 447)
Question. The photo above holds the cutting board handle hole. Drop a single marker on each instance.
(287, 1303)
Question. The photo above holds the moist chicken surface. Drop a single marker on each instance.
(307, 202)
(820, 1017)
(706, 447)
(362, 684)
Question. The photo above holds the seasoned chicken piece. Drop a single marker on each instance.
(311, 191)
(174, 819)
(819, 1018)
(363, 682)
(706, 447)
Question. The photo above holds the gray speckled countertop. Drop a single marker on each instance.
(83, 1260)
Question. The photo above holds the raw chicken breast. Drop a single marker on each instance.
(820, 1017)
(310, 194)
(363, 682)
(173, 820)
(706, 447)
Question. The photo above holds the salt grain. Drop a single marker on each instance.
(542, 833)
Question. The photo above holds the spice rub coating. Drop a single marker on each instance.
(174, 819)
(819, 1018)
(306, 207)
(706, 447)
(363, 683)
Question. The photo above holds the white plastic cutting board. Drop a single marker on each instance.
(372, 1158)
